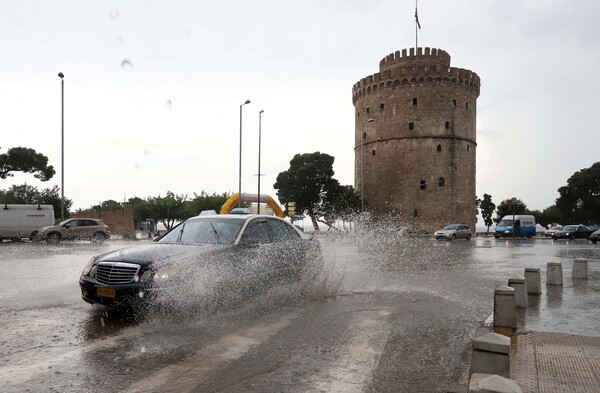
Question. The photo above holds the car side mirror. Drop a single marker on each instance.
(67, 226)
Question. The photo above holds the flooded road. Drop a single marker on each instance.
(389, 314)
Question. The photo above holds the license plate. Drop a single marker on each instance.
(106, 292)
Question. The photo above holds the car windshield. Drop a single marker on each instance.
(570, 228)
(205, 231)
(506, 223)
(449, 227)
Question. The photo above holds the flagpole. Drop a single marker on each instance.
(416, 29)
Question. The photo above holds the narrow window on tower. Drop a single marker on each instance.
(357, 114)
(364, 135)
(453, 103)
(466, 105)
(381, 107)
(373, 153)
(439, 147)
(441, 182)
(447, 125)
(411, 126)
(423, 184)
(468, 146)
(414, 102)
(367, 109)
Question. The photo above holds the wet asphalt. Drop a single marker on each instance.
(389, 314)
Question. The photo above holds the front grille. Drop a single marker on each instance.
(116, 272)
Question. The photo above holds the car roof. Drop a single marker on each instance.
(232, 216)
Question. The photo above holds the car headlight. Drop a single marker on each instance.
(88, 267)
(146, 276)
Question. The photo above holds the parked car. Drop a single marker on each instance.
(594, 236)
(550, 231)
(207, 256)
(453, 231)
(573, 232)
(75, 229)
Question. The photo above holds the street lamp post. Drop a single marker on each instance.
(62, 146)
(240, 172)
(259, 174)
(362, 164)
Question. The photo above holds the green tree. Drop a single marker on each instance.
(168, 209)
(22, 159)
(549, 216)
(205, 201)
(487, 211)
(30, 195)
(111, 205)
(308, 182)
(579, 200)
(509, 207)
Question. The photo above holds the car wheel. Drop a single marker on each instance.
(98, 237)
(469, 236)
(572, 237)
(54, 238)
(15, 239)
(594, 240)
(453, 237)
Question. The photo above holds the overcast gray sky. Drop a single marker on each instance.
(153, 88)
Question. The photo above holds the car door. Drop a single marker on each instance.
(72, 229)
(288, 252)
(255, 250)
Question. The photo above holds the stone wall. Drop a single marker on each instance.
(118, 221)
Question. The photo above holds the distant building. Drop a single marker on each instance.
(415, 139)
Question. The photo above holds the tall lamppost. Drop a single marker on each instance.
(362, 164)
(240, 176)
(62, 146)
(259, 174)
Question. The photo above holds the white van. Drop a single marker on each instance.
(18, 221)
(519, 225)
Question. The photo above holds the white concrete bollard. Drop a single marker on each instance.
(580, 269)
(491, 355)
(505, 308)
(534, 280)
(520, 287)
(486, 383)
(554, 274)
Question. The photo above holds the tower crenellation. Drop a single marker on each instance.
(404, 69)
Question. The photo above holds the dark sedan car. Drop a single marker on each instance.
(572, 232)
(594, 236)
(205, 256)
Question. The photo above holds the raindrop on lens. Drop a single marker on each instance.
(126, 64)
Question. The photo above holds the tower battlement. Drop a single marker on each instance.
(426, 67)
(408, 58)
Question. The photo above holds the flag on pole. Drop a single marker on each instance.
(417, 18)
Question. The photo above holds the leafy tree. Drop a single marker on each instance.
(308, 182)
(22, 159)
(579, 200)
(111, 205)
(549, 216)
(30, 195)
(205, 201)
(168, 209)
(487, 210)
(508, 207)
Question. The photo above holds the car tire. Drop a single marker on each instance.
(469, 236)
(453, 237)
(594, 241)
(98, 237)
(54, 238)
(15, 239)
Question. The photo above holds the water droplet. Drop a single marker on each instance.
(126, 64)
(169, 104)
(114, 14)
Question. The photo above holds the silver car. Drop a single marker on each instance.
(453, 231)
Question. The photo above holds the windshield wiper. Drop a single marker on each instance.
(215, 232)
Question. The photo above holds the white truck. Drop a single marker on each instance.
(19, 221)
